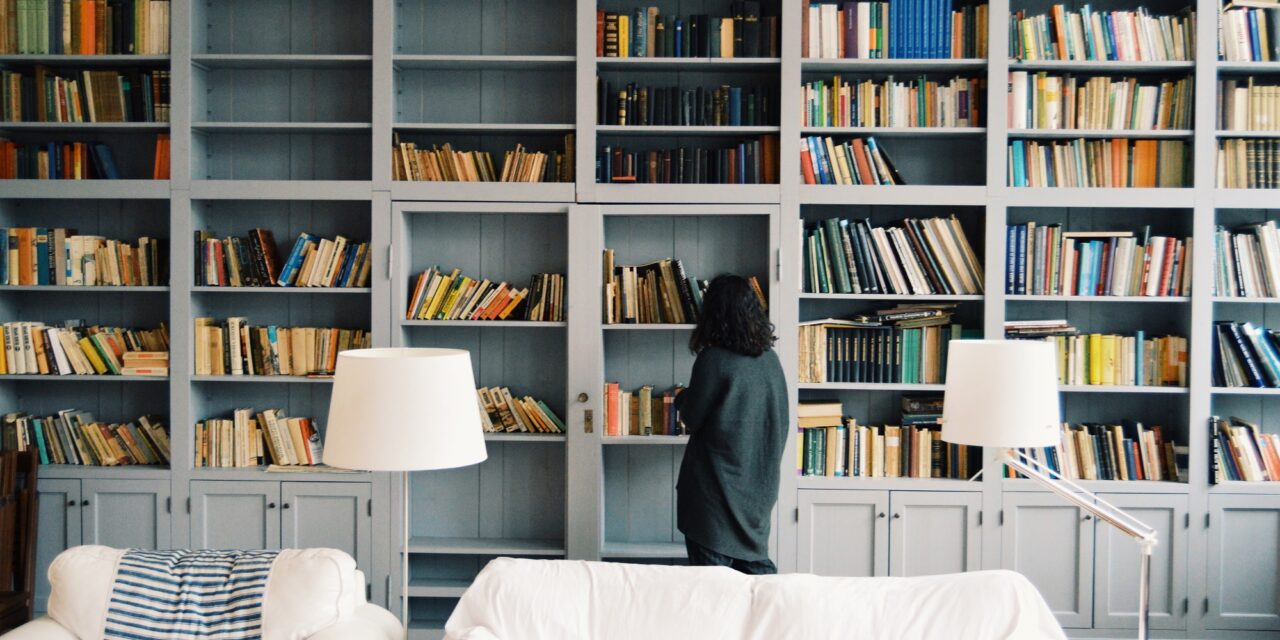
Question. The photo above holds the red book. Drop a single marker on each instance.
(804, 29)
(613, 423)
(806, 167)
(88, 28)
(860, 156)
(599, 33)
(1166, 272)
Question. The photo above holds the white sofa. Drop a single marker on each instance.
(565, 599)
(311, 594)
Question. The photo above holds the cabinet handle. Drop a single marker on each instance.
(582, 397)
(1088, 516)
(284, 506)
(271, 505)
(71, 503)
(897, 515)
(880, 515)
(84, 503)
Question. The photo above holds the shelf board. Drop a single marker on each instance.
(259, 379)
(486, 546)
(1118, 388)
(1248, 67)
(426, 630)
(885, 65)
(1091, 299)
(436, 588)
(1179, 198)
(86, 189)
(913, 484)
(643, 550)
(1244, 198)
(84, 61)
(648, 326)
(962, 195)
(466, 128)
(483, 323)
(1102, 486)
(1246, 134)
(685, 193)
(524, 437)
(1232, 486)
(869, 386)
(1245, 391)
(261, 473)
(103, 127)
(891, 296)
(896, 132)
(1102, 66)
(483, 191)
(63, 288)
(279, 61)
(122, 472)
(644, 440)
(464, 62)
(280, 127)
(1071, 134)
(614, 130)
(1235, 300)
(80, 378)
(313, 290)
(687, 64)
(281, 189)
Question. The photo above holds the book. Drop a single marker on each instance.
(1108, 359)
(77, 438)
(1047, 260)
(751, 161)
(234, 347)
(1088, 34)
(1113, 163)
(920, 102)
(917, 257)
(453, 296)
(905, 29)
(642, 412)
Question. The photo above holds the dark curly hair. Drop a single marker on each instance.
(733, 319)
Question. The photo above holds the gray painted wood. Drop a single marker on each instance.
(1116, 571)
(330, 515)
(934, 532)
(1243, 584)
(125, 513)
(843, 533)
(235, 515)
(59, 529)
(1051, 543)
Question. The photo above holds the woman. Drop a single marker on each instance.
(735, 409)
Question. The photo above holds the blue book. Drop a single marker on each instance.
(896, 34)
(1255, 43)
(1109, 36)
(109, 170)
(933, 25)
(294, 261)
(37, 426)
(1021, 284)
(1011, 266)
(679, 53)
(817, 151)
(1267, 354)
(639, 33)
(1139, 363)
(42, 257)
(1090, 47)
(1098, 268)
(1086, 268)
(947, 32)
(735, 106)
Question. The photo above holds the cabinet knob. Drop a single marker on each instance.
(582, 397)
(84, 503)
(897, 515)
(880, 515)
(271, 505)
(284, 506)
(71, 503)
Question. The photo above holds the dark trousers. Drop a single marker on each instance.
(700, 556)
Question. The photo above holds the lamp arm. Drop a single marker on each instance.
(1081, 497)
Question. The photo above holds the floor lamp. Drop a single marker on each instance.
(1004, 394)
(404, 410)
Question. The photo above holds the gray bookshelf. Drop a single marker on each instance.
(283, 115)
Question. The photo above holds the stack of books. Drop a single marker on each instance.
(502, 412)
(452, 296)
(642, 412)
(1093, 451)
(656, 293)
(901, 29)
(1114, 163)
(443, 164)
(1108, 359)
(1242, 452)
(145, 363)
(251, 439)
(906, 344)
(645, 32)
(922, 257)
(960, 102)
(723, 106)
(1246, 355)
(235, 348)
(1045, 101)
(858, 161)
(1044, 260)
(75, 437)
(39, 256)
(34, 348)
(1110, 35)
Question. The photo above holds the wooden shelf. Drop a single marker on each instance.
(887, 65)
(260, 473)
(290, 290)
(525, 437)
(1245, 391)
(66, 288)
(1097, 299)
(897, 132)
(1103, 66)
(84, 61)
(935, 195)
(85, 189)
(648, 327)
(1071, 134)
(103, 127)
(1117, 388)
(28, 377)
(687, 64)
(279, 61)
(644, 440)
(1169, 198)
(1102, 486)
(887, 484)
(655, 550)
(281, 189)
(469, 128)
(484, 191)
(260, 379)
(1234, 300)
(869, 386)
(436, 588)
(645, 130)
(496, 324)
(1244, 198)
(896, 297)
(280, 127)
(122, 472)
(1246, 134)
(486, 546)
(481, 62)
(1248, 67)
(684, 193)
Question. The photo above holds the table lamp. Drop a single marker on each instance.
(1004, 394)
(404, 410)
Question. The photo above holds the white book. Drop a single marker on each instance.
(864, 18)
(1018, 88)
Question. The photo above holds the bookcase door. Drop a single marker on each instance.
(59, 527)
(235, 515)
(335, 515)
(126, 514)
(1244, 562)
(1051, 543)
(844, 533)
(934, 532)
(1119, 560)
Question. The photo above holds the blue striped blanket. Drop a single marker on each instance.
(188, 594)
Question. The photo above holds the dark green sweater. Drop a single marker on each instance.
(736, 411)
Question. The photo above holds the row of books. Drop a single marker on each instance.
(57, 161)
(251, 439)
(34, 348)
(1107, 35)
(645, 32)
(234, 347)
(921, 257)
(502, 412)
(1045, 101)
(960, 102)
(453, 296)
(85, 96)
(906, 344)
(749, 162)
(894, 29)
(857, 161)
(723, 106)
(38, 256)
(1245, 355)
(84, 27)
(643, 412)
(1045, 260)
(1249, 34)
(1242, 452)
(1247, 261)
(76, 437)
(660, 292)
(1244, 105)
(1248, 163)
(443, 164)
(253, 261)
(1095, 451)
(1108, 359)
(1116, 162)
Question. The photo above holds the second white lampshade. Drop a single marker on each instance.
(1001, 393)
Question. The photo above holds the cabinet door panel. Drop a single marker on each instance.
(59, 528)
(1119, 560)
(934, 532)
(1244, 562)
(126, 513)
(1051, 543)
(844, 533)
(235, 515)
(329, 514)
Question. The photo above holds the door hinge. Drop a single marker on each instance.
(1206, 520)
(1186, 606)
(1206, 605)
(1001, 517)
(369, 506)
(188, 505)
(777, 265)
(795, 515)
(168, 504)
(390, 260)
(368, 591)
(1187, 522)
(979, 517)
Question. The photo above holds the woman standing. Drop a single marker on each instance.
(735, 409)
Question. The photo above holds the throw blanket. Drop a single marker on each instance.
(188, 594)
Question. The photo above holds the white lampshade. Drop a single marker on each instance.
(403, 410)
(1001, 393)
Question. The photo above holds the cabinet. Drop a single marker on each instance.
(880, 533)
(1118, 560)
(1244, 562)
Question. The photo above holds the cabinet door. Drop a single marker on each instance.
(329, 514)
(1051, 543)
(59, 526)
(126, 513)
(844, 533)
(934, 532)
(1119, 558)
(1244, 562)
(235, 515)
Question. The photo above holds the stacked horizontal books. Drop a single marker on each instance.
(1244, 105)
(1242, 452)
(502, 412)
(57, 161)
(1109, 35)
(251, 439)
(747, 162)
(1108, 359)
(1044, 260)
(1045, 101)
(642, 412)
(901, 29)
(1127, 451)
(644, 32)
(253, 261)
(84, 96)
(656, 293)
(38, 256)
(1118, 162)
(453, 296)
(75, 437)
(1247, 261)
(723, 106)
(1248, 164)
(857, 161)
(235, 348)
(833, 446)
(922, 257)
(85, 27)
(1249, 33)
(960, 102)
(1246, 355)
(34, 348)
(906, 344)
(443, 164)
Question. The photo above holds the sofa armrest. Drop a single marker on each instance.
(369, 622)
(42, 628)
